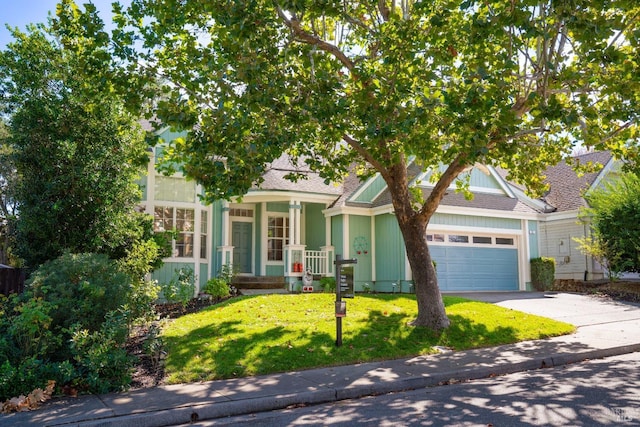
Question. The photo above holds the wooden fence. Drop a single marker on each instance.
(12, 280)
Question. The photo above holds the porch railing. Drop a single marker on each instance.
(317, 262)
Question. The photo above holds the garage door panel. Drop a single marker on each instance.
(476, 268)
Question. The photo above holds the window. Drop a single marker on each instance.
(435, 237)
(204, 224)
(482, 240)
(454, 238)
(241, 212)
(504, 241)
(181, 220)
(277, 237)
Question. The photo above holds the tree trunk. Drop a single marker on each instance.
(413, 226)
(431, 311)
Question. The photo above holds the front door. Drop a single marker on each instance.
(241, 240)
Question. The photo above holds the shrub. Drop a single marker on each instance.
(181, 288)
(82, 289)
(542, 273)
(328, 284)
(217, 288)
(102, 361)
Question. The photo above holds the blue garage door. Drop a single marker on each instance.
(476, 268)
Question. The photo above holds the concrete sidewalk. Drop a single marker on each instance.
(605, 328)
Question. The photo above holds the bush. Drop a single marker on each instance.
(181, 288)
(542, 273)
(78, 300)
(217, 288)
(102, 361)
(328, 284)
(82, 289)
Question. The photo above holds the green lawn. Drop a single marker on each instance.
(276, 333)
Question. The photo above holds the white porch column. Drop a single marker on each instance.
(226, 250)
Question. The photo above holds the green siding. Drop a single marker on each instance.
(360, 239)
(202, 277)
(372, 188)
(477, 179)
(475, 221)
(389, 254)
(533, 239)
(275, 270)
(167, 272)
(277, 207)
(315, 226)
(337, 231)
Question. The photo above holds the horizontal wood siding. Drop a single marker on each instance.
(475, 221)
(556, 241)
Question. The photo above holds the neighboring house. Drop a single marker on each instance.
(565, 197)
(282, 229)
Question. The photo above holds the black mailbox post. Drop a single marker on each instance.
(344, 284)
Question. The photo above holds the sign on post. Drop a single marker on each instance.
(344, 283)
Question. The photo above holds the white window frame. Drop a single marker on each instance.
(285, 238)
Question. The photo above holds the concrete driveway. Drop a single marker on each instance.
(579, 310)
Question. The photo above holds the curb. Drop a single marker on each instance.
(190, 414)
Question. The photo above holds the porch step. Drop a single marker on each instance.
(259, 282)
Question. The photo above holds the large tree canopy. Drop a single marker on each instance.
(380, 83)
(78, 154)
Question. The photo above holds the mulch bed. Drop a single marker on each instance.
(149, 369)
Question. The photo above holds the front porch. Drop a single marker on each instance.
(316, 263)
(275, 239)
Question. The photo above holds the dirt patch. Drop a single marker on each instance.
(148, 351)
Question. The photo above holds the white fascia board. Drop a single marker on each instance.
(161, 130)
(487, 213)
(556, 216)
(501, 181)
(606, 169)
(532, 203)
(456, 210)
(348, 210)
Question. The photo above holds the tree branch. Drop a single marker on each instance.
(453, 170)
(384, 9)
(366, 155)
(294, 25)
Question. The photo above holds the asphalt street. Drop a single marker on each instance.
(592, 393)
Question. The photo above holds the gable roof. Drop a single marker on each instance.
(566, 188)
